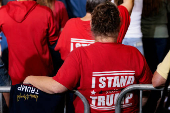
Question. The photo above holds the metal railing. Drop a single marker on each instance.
(6, 89)
(139, 87)
(3, 89)
(85, 102)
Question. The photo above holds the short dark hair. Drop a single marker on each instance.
(105, 20)
(91, 4)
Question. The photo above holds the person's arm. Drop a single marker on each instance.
(158, 80)
(46, 84)
(129, 5)
(52, 35)
(66, 78)
(162, 71)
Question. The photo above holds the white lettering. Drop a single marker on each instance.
(116, 82)
(27, 89)
(101, 100)
(93, 82)
(32, 90)
(37, 92)
(130, 80)
(84, 45)
(109, 100)
(71, 48)
(93, 99)
(129, 96)
(123, 81)
(101, 80)
(109, 81)
(78, 45)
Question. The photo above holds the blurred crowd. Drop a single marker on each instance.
(98, 47)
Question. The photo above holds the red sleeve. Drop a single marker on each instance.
(63, 44)
(125, 22)
(63, 14)
(69, 73)
(146, 76)
(143, 73)
(52, 30)
(64, 41)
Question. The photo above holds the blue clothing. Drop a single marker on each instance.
(4, 50)
(135, 42)
(75, 8)
(4, 44)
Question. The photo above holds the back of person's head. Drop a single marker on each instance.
(91, 4)
(105, 20)
(48, 3)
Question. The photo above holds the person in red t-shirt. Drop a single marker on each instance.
(76, 32)
(100, 71)
(29, 29)
(60, 19)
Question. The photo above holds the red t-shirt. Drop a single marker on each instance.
(29, 29)
(60, 15)
(100, 71)
(77, 33)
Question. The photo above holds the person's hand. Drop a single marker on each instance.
(26, 81)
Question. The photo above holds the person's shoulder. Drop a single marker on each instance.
(44, 9)
(3, 8)
(3, 12)
(71, 22)
(130, 49)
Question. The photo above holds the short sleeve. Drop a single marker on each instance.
(146, 75)
(164, 67)
(63, 44)
(125, 22)
(52, 30)
(143, 74)
(69, 73)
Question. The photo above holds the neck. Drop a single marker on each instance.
(104, 39)
(87, 17)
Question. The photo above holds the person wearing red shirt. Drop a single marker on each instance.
(29, 29)
(100, 71)
(59, 13)
(77, 31)
(60, 19)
